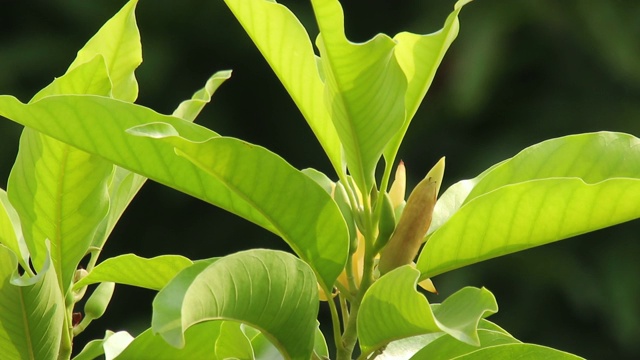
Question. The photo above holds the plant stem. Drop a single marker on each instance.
(350, 335)
(335, 322)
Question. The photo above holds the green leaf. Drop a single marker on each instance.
(285, 44)
(408, 313)
(295, 205)
(60, 194)
(93, 348)
(31, 311)
(551, 191)
(518, 351)
(364, 90)
(199, 344)
(97, 125)
(130, 269)
(115, 344)
(125, 184)
(232, 343)
(270, 290)
(263, 349)
(419, 56)
(407, 347)
(11, 230)
(447, 347)
(189, 109)
(118, 41)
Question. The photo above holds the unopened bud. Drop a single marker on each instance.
(414, 222)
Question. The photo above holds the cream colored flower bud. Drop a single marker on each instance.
(414, 222)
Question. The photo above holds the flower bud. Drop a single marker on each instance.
(97, 303)
(414, 222)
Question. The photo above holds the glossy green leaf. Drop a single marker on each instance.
(285, 44)
(60, 192)
(97, 125)
(554, 190)
(408, 313)
(270, 290)
(29, 309)
(130, 269)
(518, 351)
(295, 205)
(364, 90)
(11, 230)
(419, 56)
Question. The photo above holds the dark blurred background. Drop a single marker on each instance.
(520, 72)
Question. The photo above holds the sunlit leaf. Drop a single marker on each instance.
(125, 184)
(446, 347)
(364, 90)
(554, 190)
(11, 230)
(98, 125)
(419, 56)
(295, 205)
(199, 344)
(118, 41)
(29, 309)
(232, 343)
(393, 309)
(116, 343)
(270, 290)
(94, 348)
(60, 192)
(133, 270)
(518, 351)
(285, 44)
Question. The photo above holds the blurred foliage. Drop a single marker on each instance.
(520, 72)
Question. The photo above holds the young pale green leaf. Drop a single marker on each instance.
(130, 269)
(61, 195)
(189, 109)
(364, 91)
(447, 347)
(551, 191)
(518, 351)
(295, 205)
(270, 290)
(60, 192)
(11, 230)
(285, 44)
(407, 312)
(118, 41)
(419, 57)
(98, 125)
(29, 310)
